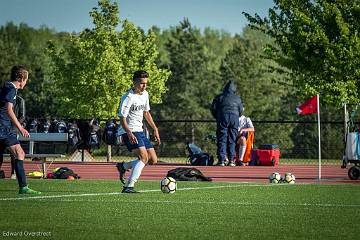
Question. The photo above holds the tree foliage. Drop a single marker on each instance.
(23, 45)
(319, 42)
(96, 68)
(193, 78)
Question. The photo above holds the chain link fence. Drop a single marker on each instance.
(298, 142)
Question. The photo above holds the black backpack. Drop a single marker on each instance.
(197, 157)
(73, 134)
(64, 173)
(44, 126)
(187, 174)
(94, 140)
(33, 127)
(58, 127)
(110, 133)
(2, 174)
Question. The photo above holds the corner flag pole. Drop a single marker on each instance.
(319, 143)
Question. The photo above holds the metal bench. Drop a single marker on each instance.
(43, 137)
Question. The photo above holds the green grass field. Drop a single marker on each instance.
(95, 210)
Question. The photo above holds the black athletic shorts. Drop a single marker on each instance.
(8, 137)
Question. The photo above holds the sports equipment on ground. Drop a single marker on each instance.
(289, 178)
(275, 177)
(70, 178)
(168, 185)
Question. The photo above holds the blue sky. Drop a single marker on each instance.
(73, 15)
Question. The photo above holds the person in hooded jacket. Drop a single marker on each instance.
(226, 108)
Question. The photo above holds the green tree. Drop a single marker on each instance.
(191, 86)
(97, 66)
(23, 45)
(319, 42)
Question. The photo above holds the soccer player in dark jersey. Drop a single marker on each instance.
(19, 110)
(8, 121)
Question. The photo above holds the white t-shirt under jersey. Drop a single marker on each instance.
(132, 107)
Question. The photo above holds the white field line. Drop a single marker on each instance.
(118, 193)
(238, 203)
(60, 198)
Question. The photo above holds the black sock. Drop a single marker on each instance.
(20, 173)
(12, 165)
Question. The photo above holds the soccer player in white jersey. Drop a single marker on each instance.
(134, 106)
(245, 126)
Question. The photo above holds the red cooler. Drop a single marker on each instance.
(268, 155)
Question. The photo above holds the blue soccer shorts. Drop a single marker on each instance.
(143, 141)
(8, 137)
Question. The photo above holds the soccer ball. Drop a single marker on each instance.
(289, 178)
(168, 185)
(275, 177)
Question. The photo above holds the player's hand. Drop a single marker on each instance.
(24, 132)
(132, 138)
(157, 136)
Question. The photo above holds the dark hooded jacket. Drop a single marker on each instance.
(227, 102)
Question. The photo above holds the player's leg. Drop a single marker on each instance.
(13, 174)
(232, 133)
(153, 159)
(140, 149)
(242, 148)
(2, 150)
(19, 154)
(122, 167)
(136, 170)
(221, 137)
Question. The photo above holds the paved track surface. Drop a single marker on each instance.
(303, 173)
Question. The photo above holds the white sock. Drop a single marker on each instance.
(135, 173)
(130, 164)
(242, 152)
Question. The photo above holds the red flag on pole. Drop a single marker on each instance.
(308, 107)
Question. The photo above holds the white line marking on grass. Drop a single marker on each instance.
(257, 204)
(118, 193)
(60, 198)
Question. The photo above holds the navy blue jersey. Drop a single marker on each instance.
(7, 94)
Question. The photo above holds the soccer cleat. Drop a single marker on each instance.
(13, 176)
(122, 171)
(27, 190)
(241, 163)
(222, 164)
(129, 190)
(231, 164)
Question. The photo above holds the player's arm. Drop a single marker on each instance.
(125, 126)
(14, 120)
(151, 122)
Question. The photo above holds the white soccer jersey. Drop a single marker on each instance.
(245, 122)
(132, 107)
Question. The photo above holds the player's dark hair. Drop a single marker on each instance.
(140, 74)
(18, 73)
